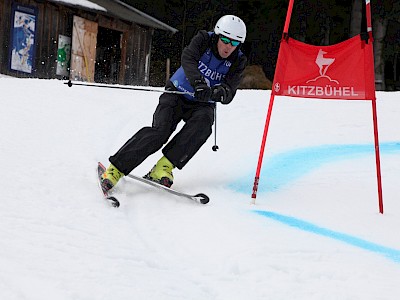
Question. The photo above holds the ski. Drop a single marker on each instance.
(199, 198)
(110, 199)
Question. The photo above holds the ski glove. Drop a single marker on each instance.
(202, 91)
(219, 93)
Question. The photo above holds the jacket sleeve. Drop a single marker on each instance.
(233, 78)
(192, 54)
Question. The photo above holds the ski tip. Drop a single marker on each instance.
(203, 198)
(113, 201)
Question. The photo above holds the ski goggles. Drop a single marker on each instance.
(227, 40)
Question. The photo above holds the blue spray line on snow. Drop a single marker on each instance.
(282, 169)
(389, 253)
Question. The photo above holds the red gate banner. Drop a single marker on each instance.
(340, 71)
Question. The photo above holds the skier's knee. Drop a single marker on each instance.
(164, 132)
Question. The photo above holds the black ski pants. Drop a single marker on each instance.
(172, 108)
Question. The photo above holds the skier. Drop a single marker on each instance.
(211, 70)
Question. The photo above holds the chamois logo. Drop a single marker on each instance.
(323, 64)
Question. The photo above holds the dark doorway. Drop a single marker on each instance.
(108, 56)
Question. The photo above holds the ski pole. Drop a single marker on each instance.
(215, 147)
(70, 84)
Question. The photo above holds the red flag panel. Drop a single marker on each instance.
(340, 71)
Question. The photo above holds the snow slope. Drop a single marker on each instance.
(315, 231)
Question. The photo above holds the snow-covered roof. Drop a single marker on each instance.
(82, 3)
(121, 10)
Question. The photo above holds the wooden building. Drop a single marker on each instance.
(89, 40)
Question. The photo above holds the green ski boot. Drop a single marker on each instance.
(162, 172)
(110, 178)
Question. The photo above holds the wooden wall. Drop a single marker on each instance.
(54, 19)
(138, 45)
(5, 15)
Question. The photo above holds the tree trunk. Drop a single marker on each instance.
(380, 26)
(356, 16)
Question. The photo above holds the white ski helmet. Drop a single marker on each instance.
(232, 27)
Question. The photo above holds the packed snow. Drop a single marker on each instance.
(315, 231)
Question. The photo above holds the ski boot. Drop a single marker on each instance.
(162, 172)
(110, 178)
